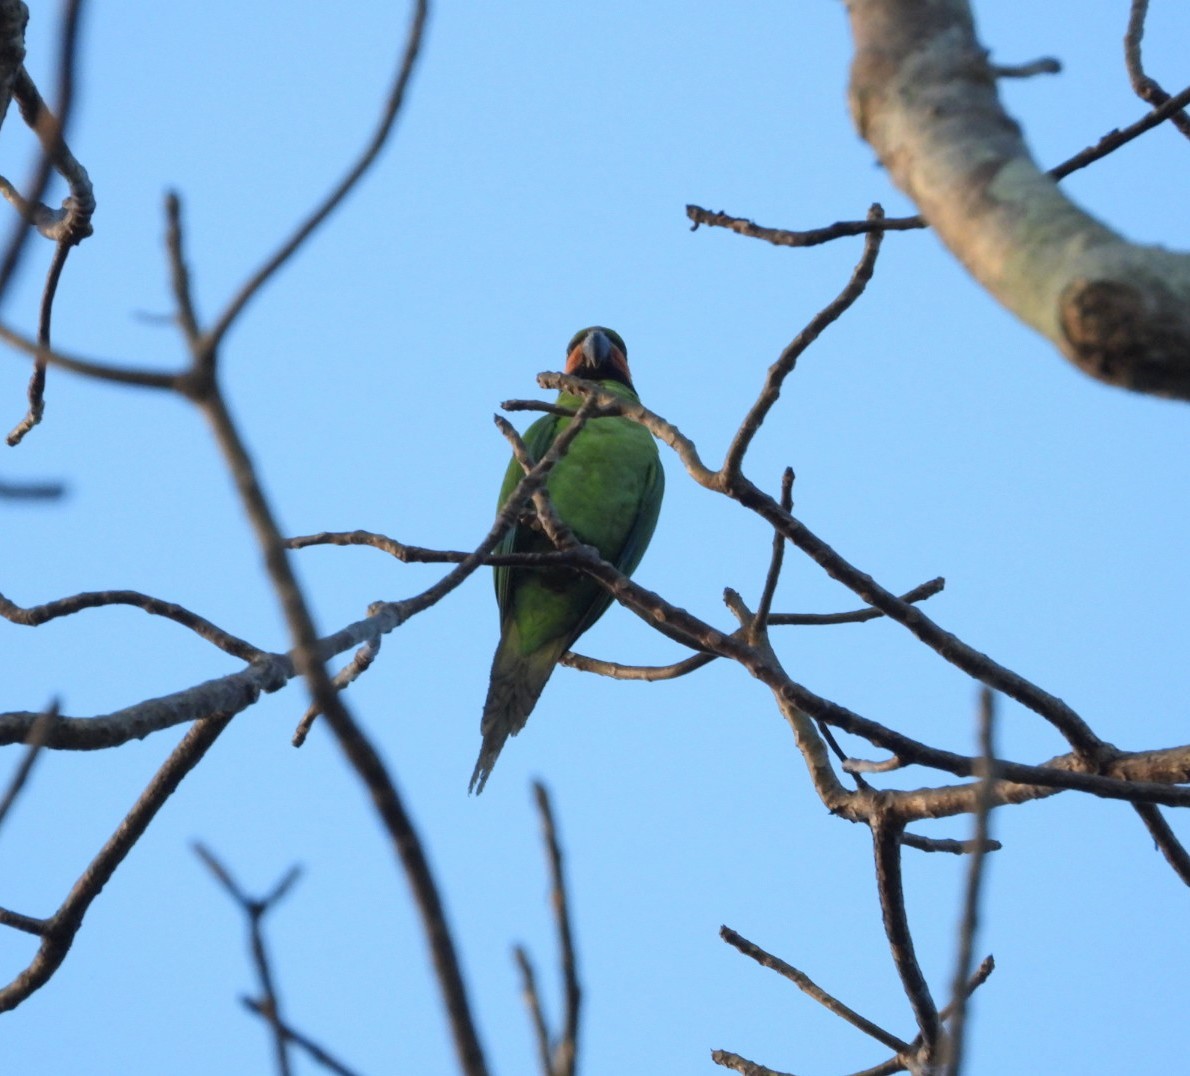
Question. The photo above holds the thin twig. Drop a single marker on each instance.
(179, 271)
(564, 1055)
(334, 199)
(691, 664)
(919, 593)
(93, 368)
(36, 615)
(782, 237)
(636, 672)
(976, 664)
(352, 671)
(945, 844)
(255, 909)
(785, 363)
(886, 840)
(742, 1065)
(805, 984)
(54, 153)
(58, 931)
(1114, 139)
(864, 765)
(897, 1064)
(32, 491)
(36, 390)
(36, 741)
(1171, 108)
(765, 605)
(416, 554)
(953, 1057)
(317, 1053)
(1045, 65)
(1146, 88)
(532, 997)
(68, 227)
(828, 735)
(356, 746)
(1165, 839)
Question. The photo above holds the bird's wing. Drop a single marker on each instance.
(645, 522)
(635, 543)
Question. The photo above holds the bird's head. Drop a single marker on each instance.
(598, 354)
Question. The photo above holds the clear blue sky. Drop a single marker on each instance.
(537, 184)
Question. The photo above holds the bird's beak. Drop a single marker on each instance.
(597, 349)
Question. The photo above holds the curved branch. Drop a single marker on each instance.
(923, 95)
(371, 151)
(1146, 88)
(691, 664)
(36, 615)
(886, 841)
(786, 361)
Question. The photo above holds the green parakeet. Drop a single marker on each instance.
(607, 489)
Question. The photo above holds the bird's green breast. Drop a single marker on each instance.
(607, 489)
(598, 487)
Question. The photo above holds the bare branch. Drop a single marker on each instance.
(742, 1065)
(564, 1055)
(36, 390)
(923, 96)
(416, 554)
(36, 615)
(807, 986)
(1163, 836)
(67, 227)
(636, 672)
(691, 664)
(765, 605)
(919, 593)
(316, 1053)
(886, 839)
(813, 237)
(334, 199)
(58, 931)
(14, 17)
(942, 844)
(529, 991)
(782, 237)
(1118, 137)
(32, 491)
(352, 671)
(70, 224)
(54, 152)
(179, 272)
(897, 1064)
(788, 358)
(953, 1050)
(255, 909)
(37, 737)
(610, 404)
(971, 661)
(93, 368)
(1045, 65)
(1146, 88)
(356, 746)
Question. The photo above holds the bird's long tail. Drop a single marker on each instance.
(517, 681)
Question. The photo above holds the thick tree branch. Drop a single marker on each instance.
(923, 95)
